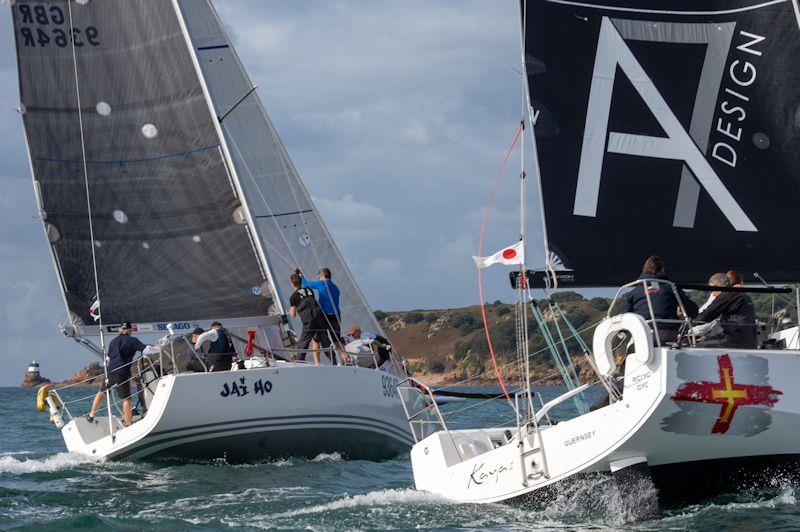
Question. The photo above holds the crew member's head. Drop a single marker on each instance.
(296, 280)
(216, 325)
(654, 266)
(196, 333)
(718, 279)
(125, 328)
(354, 331)
(324, 273)
(735, 278)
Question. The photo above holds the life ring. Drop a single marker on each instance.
(42, 395)
(608, 329)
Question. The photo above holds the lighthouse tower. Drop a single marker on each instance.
(33, 369)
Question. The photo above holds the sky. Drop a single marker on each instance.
(397, 116)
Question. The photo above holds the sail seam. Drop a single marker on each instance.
(128, 161)
(283, 214)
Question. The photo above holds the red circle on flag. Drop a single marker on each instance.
(509, 254)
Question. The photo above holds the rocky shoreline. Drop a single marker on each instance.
(88, 377)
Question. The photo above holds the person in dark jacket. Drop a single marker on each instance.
(735, 313)
(121, 351)
(662, 298)
(220, 352)
(304, 304)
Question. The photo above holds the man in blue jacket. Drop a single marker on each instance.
(662, 298)
(328, 297)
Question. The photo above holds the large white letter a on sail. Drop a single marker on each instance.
(678, 144)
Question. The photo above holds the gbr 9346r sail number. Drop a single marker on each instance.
(42, 26)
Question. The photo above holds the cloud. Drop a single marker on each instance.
(382, 269)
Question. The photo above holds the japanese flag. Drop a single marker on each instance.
(511, 255)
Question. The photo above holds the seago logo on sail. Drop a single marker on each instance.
(715, 130)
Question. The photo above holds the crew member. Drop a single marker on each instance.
(710, 333)
(662, 298)
(221, 352)
(368, 343)
(121, 351)
(197, 357)
(328, 294)
(304, 304)
(735, 313)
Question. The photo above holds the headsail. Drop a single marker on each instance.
(170, 236)
(288, 223)
(669, 128)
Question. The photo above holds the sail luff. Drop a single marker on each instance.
(534, 147)
(231, 169)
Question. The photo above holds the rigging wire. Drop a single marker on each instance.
(91, 224)
(480, 254)
(86, 184)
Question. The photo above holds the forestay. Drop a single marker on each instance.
(667, 127)
(290, 228)
(170, 236)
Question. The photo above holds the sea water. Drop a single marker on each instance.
(44, 487)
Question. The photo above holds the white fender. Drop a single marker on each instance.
(602, 343)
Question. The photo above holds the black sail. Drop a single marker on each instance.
(118, 78)
(668, 128)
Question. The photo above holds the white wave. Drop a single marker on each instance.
(786, 497)
(372, 499)
(56, 462)
(327, 457)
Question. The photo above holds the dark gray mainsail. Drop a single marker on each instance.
(290, 228)
(112, 102)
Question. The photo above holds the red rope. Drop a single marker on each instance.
(248, 349)
(480, 254)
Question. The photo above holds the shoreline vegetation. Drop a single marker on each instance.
(448, 346)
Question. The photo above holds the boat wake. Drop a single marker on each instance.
(373, 499)
(11, 465)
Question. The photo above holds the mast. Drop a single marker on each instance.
(535, 150)
(523, 281)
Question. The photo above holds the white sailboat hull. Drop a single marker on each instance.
(259, 413)
(685, 413)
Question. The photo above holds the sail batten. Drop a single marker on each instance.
(666, 128)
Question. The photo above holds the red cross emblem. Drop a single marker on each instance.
(727, 393)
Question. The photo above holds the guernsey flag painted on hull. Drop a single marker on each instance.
(722, 394)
